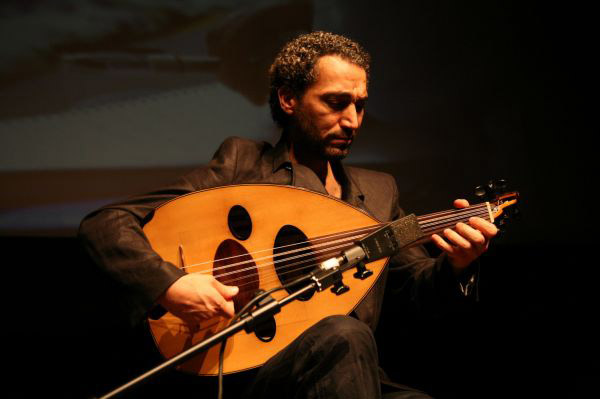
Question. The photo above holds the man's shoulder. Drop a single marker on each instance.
(245, 154)
(243, 144)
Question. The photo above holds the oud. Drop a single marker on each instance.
(259, 237)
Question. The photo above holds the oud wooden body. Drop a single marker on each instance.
(194, 226)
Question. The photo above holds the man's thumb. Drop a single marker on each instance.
(228, 291)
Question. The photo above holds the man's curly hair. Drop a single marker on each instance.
(294, 65)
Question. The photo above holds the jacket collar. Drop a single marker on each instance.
(351, 191)
(281, 155)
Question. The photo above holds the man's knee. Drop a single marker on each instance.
(337, 357)
(348, 330)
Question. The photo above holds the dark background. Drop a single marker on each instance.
(95, 106)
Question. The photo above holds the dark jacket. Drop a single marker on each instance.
(114, 238)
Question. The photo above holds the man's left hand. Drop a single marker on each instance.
(466, 242)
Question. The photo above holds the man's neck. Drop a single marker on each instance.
(333, 187)
(321, 167)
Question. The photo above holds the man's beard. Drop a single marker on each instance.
(307, 140)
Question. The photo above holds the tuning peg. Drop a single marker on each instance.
(482, 191)
(499, 185)
(491, 190)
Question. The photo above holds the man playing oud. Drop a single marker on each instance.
(318, 95)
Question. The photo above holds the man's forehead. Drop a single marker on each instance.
(337, 75)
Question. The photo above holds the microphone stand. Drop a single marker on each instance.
(319, 281)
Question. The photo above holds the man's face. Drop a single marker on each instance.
(328, 115)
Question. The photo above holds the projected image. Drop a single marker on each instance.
(101, 100)
(127, 96)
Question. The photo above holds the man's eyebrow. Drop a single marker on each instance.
(343, 94)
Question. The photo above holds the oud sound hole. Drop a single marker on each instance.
(233, 265)
(293, 257)
(239, 222)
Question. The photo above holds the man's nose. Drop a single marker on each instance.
(350, 119)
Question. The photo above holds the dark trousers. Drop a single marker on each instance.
(336, 358)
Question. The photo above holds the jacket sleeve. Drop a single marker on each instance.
(113, 237)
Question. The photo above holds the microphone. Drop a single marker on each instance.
(391, 238)
(382, 243)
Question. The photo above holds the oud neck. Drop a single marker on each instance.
(435, 223)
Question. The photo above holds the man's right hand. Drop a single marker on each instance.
(196, 297)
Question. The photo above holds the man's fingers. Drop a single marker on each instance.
(228, 291)
(467, 241)
(227, 309)
(486, 228)
(457, 239)
(461, 203)
(442, 244)
(471, 234)
(225, 304)
(197, 297)
(224, 307)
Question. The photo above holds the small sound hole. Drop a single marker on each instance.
(240, 223)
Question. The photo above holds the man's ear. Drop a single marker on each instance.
(287, 100)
